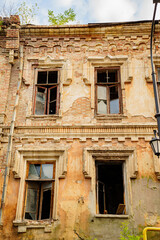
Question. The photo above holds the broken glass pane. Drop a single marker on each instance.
(102, 100)
(42, 78)
(34, 171)
(31, 216)
(52, 102)
(114, 100)
(52, 77)
(102, 107)
(31, 203)
(40, 101)
(47, 171)
(102, 94)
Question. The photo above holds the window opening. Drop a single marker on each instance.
(108, 91)
(46, 100)
(39, 191)
(110, 189)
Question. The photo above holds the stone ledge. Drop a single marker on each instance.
(43, 117)
(24, 225)
(111, 216)
(110, 117)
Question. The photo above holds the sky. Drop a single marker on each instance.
(93, 11)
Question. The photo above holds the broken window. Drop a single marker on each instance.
(47, 93)
(39, 191)
(108, 91)
(110, 187)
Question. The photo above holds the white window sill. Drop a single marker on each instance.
(111, 216)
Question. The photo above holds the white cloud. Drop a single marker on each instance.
(65, 4)
(114, 10)
(95, 10)
(145, 10)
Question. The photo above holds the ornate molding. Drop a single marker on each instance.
(107, 130)
(69, 73)
(90, 155)
(86, 74)
(24, 155)
(99, 60)
(130, 72)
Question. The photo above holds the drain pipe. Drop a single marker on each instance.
(10, 137)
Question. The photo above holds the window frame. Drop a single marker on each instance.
(125, 154)
(52, 85)
(118, 83)
(39, 198)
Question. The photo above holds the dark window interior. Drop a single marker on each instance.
(52, 77)
(110, 190)
(46, 204)
(46, 93)
(107, 76)
(42, 78)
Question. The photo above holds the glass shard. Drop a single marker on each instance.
(114, 100)
(47, 171)
(40, 101)
(34, 171)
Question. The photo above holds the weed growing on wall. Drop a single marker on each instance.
(1, 24)
(125, 233)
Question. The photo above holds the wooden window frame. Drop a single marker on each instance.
(52, 85)
(40, 190)
(108, 85)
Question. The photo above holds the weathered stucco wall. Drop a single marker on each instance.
(76, 132)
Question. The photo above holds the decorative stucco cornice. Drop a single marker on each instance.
(108, 132)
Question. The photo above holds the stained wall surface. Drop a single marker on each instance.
(76, 138)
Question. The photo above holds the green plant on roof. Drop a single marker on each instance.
(61, 19)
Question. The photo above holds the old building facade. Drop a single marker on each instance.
(76, 117)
